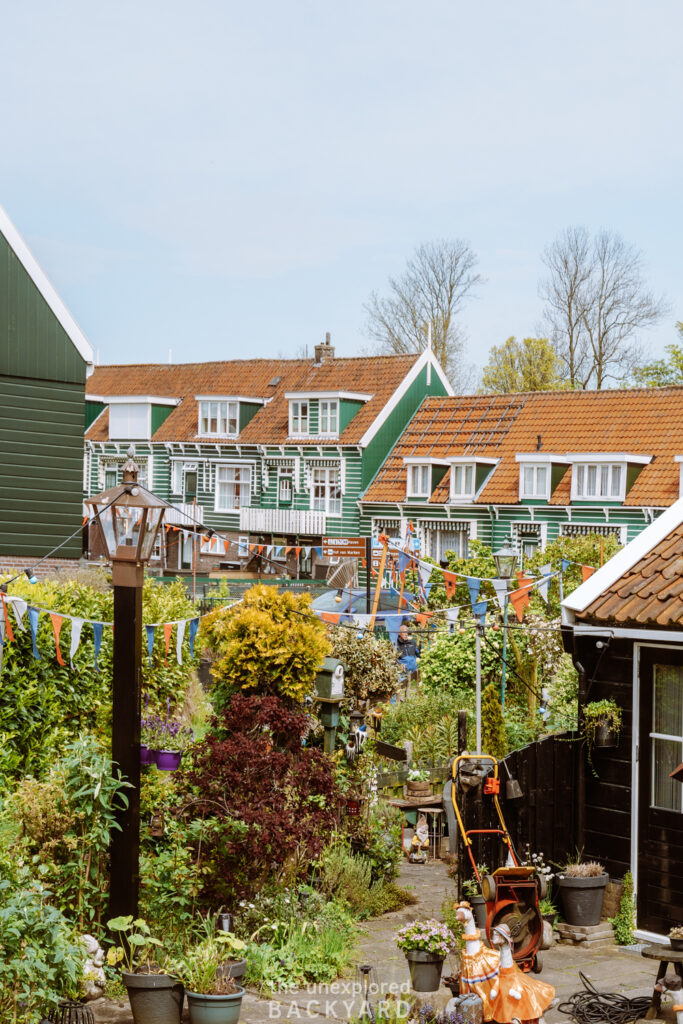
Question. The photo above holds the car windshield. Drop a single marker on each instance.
(388, 601)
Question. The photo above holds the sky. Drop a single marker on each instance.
(233, 180)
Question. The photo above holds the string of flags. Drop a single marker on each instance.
(22, 609)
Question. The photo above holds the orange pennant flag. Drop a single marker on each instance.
(586, 572)
(56, 629)
(287, 550)
(333, 617)
(450, 579)
(520, 600)
(423, 617)
(168, 629)
(85, 520)
(8, 624)
(298, 551)
(524, 581)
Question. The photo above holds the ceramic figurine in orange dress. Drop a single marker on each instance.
(517, 996)
(480, 966)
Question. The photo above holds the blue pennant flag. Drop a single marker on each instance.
(565, 563)
(479, 611)
(194, 626)
(33, 616)
(392, 624)
(97, 628)
(427, 588)
(319, 552)
(403, 561)
(474, 586)
(150, 642)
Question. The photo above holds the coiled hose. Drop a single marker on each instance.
(591, 1006)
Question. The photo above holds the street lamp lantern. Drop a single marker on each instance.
(127, 518)
(505, 559)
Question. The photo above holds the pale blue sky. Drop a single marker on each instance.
(233, 180)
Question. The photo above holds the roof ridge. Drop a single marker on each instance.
(310, 361)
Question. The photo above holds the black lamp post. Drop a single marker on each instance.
(127, 518)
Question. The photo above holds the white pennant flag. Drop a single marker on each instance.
(501, 589)
(76, 627)
(545, 571)
(307, 552)
(20, 607)
(425, 571)
(179, 642)
(362, 620)
(453, 617)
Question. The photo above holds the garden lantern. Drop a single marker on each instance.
(506, 562)
(127, 519)
(329, 684)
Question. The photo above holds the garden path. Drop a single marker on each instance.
(614, 969)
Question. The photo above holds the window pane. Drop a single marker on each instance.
(204, 408)
(528, 481)
(541, 481)
(323, 418)
(424, 470)
(668, 700)
(469, 489)
(616, 481)
(213, 417)
(604, 481)
(335, 490)
(666, 792)
(580, 476)
(457, 479)
(591, 480)
(334, 409)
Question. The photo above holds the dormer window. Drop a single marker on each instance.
(534, 478)
(298, 418)
(462, 480)
(598, 480)
(419, 481)
(328, 415)
(218, 419)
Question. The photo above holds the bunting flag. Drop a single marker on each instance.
(33, 617)
(586, 572)
(179, 641)
(8, 624)
(393, 624)
(451, 581)
(501, 589)
(194, 626)
(150, 643)
(76, 627)
(564, 564)
(56, 629)
(479, 611)
(427, 588)
(546, 573)
(332, 617)
(403, 561)
(19, 606)
(423, 617)
(361, 620)
(452, 617)
(97, 628)
(520, 600)
(319, 552)
(474, 586)
(168, 629)
(298, 551)
(259, 548)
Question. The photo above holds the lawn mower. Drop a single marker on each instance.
(513, 891)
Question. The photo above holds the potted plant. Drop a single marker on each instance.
(582, 887)
(175, 740)
(426, 945)
(472, 891)
(212, 998)
(548, 911)
(418, 784)
(153, 994)
(676, 938)
(150, 727)
(601, 726)
(234, 964)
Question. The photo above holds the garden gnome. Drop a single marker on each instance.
(94, 980)
(420, 842)
(480, 966)
(516, 995)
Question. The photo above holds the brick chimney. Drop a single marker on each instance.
(324, 351)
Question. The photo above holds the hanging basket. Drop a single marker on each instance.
(605, 736)
(168, 760)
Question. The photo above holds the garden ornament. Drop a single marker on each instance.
(517, 996)
(94, 980)
(480, 966)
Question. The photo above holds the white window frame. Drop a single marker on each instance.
(457, 496)
(537, 492)
(580, 474)
(299, 426)
(419, 484)
(327, 408)
(327, 500)
(240, 468)
(285, 473)
(226, 410)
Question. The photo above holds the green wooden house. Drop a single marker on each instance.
(44, 362)
(530, 466)
(269, 452)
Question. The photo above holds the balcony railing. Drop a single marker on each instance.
(185, 513)
(282, 520)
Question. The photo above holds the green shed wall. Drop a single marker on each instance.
(41, 466)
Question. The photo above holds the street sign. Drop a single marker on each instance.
(344, 547)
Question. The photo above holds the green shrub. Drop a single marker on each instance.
(493, 735)
(370, 666)
(450, 662)
(624, 924)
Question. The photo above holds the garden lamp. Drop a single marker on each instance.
(329, 684)
(127, 519)
(506, 561)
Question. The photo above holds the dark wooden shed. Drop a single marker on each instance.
(44, 361)
(624, 629)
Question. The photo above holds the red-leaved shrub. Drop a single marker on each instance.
(253, 769)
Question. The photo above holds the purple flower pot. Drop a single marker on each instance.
(168, 760)
(147, 756)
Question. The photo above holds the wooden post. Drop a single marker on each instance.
(384, 541)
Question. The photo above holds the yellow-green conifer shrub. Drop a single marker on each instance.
(271, 643)
(493, 736)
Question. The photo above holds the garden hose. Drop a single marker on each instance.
(590, 1006)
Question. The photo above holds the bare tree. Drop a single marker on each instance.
(596, 303)
(437, 280)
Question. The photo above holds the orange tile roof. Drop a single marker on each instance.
(378, 376)
(647, 421)
(650, 593)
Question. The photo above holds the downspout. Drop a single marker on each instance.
(581, 766)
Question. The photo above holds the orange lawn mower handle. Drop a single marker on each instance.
(493, 791)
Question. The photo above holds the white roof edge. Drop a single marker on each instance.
(541, 457)
(231, 398)
(426, 357)
(354, 396)
(634, 457)
(39, 278)
(625, 559)
(460, 460)
(133, 399)
(424, 460)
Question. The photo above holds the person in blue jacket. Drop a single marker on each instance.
(408, 651)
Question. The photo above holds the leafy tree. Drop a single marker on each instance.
(493, 738)
(527, 365)
(449, 664)
(662, 372)
(270, 643)
(596, 303)
(479, 563)
(590, 549)
(431, 292)
(371, 669)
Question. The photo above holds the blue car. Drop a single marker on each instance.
(356, 601)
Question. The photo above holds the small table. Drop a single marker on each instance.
(666, 955)
(435, 829)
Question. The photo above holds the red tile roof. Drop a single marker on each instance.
(647, 421)
(378, 376)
